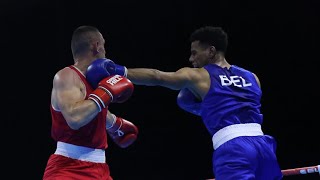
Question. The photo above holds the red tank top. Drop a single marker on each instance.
(91, 135)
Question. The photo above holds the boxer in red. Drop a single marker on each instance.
(81, 121)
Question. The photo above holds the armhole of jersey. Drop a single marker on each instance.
(210, 85)
(78, 73)
(54, 108)
(257, 80)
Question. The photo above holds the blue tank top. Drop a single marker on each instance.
(233, 98)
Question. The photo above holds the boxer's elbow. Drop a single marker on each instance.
(75, 120)
(74, 123)
(157, 77)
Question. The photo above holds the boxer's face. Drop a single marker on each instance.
(200, 54)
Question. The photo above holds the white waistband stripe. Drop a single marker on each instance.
(227, 133)
(80, 152)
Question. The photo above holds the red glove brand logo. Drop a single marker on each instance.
(114, 80)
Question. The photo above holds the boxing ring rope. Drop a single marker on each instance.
(298, 171)
(302, 170)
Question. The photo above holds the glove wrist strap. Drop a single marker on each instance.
(113, 122)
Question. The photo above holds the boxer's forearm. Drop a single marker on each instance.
(144, 76)
(153, 77)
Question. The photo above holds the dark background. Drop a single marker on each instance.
(278, 40)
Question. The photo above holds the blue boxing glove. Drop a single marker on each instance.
(188, 102)
(102, 68)
(120, 70)
(98, 70)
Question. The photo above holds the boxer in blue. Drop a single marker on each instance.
(227, 97)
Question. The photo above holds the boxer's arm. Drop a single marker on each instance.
(69, 99)
(183, 78)
(110, 119)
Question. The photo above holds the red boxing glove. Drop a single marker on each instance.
(123, 132)
(112, 89)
